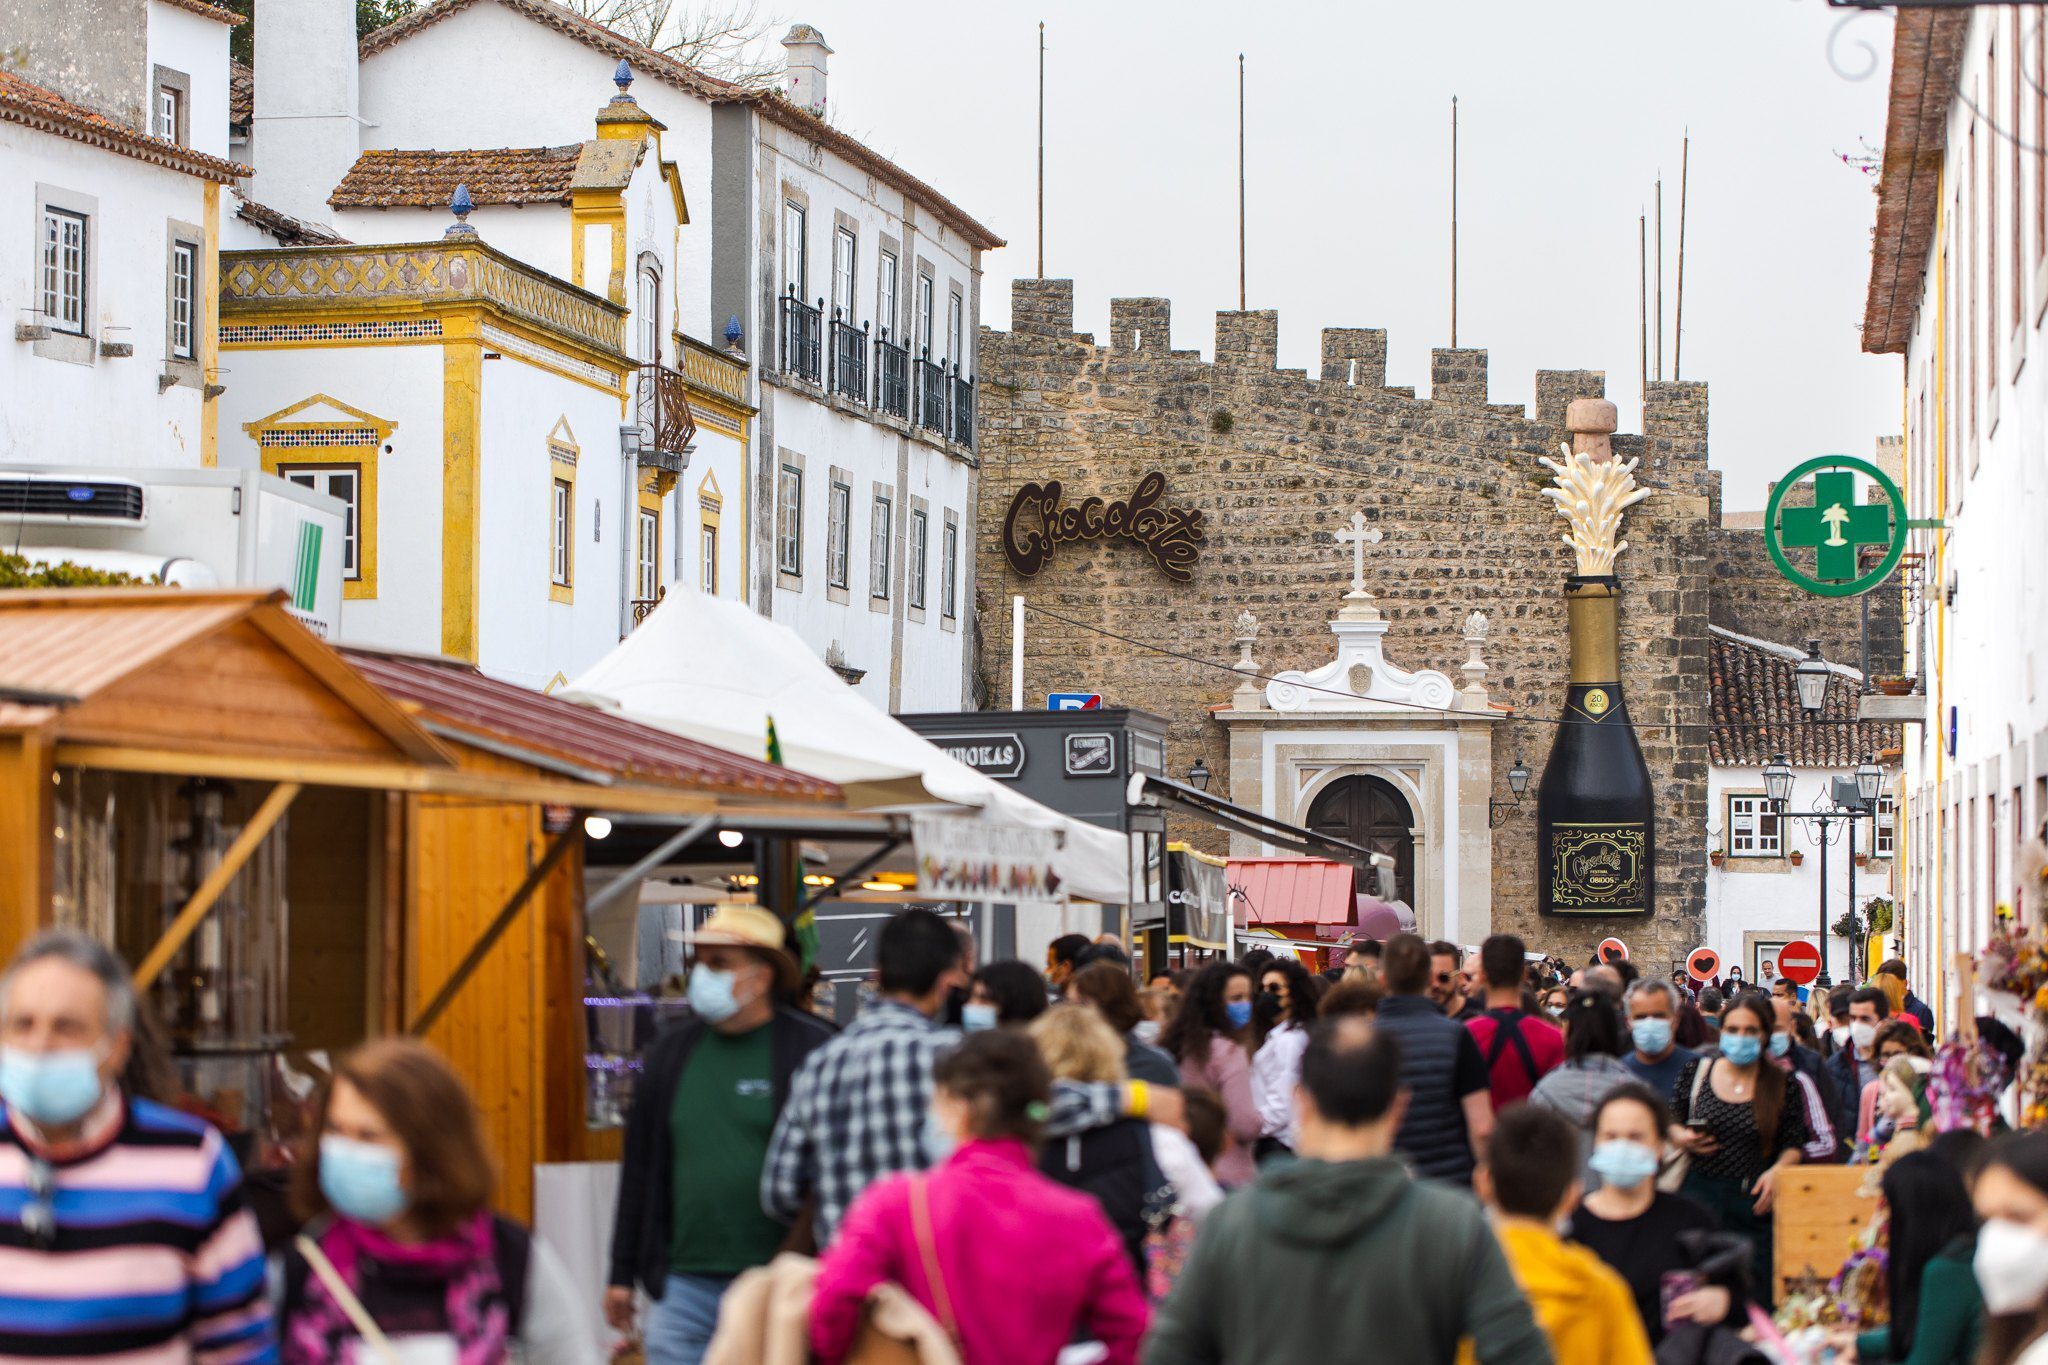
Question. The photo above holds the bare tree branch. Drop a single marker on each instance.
(721, 39)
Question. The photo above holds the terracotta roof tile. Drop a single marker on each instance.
(659, 66)
(218, 13)
(288, 231)
(1755, 712)
(25, 102)
(1926, 45)
(241, 95)
(427, 179)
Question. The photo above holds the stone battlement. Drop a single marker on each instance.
(1355, 358)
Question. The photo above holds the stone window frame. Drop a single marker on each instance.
(80, 347)
(840, 529)
(949, 571)
(793, 196)
(179, 369)
(882, 567)
(917, 591)
(787, 461)
(1728, 799)
(162, 78)
(889, 317)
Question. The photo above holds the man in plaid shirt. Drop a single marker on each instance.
(858, 1109)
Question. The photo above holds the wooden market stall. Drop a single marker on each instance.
(299, 851)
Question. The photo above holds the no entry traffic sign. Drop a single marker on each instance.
(1612, 950)
(1702, 964)
(1799, 962)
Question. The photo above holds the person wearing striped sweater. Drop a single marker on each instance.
(123, 1234)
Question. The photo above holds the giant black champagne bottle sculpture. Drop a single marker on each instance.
(1596, 826)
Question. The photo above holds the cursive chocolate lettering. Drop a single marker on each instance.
(1038, 521)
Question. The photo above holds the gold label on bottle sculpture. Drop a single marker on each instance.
(1597, 868)
(1596, 701)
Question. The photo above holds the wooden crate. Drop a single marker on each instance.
(1819, 1212)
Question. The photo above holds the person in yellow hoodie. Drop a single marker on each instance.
(1529, 1182)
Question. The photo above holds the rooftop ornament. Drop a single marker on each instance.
(461, 206)
(622, 76)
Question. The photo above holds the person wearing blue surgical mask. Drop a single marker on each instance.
(1634, 1226)
(96, 1266)
(1654, 1057)
(1208, 1037)
(1743, 1121)
(402, 1257)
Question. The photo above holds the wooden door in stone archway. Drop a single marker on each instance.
(1372, 813)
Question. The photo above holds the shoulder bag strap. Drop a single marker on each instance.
(1507, 1030)
(345, 1299)
(1699, 1079)
(927, 1250)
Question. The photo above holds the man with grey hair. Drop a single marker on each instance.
(122, 1222)
(1652, 1015)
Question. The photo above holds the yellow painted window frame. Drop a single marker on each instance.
(365, 458)
(562, 470)
(710, 503)
(650, 499)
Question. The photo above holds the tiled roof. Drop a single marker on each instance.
(1755, 711)
(288, 231)
(1291, 891)
(241, 95)
(25, 102)
(427, 179)
(659, 66)
(218, 13)
(455, 696)
(1926, 45)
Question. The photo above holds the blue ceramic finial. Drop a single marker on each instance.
(733, 331)
(461, 206)
(622, 75)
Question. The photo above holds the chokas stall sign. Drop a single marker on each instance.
(965, 859)
(1037, 522)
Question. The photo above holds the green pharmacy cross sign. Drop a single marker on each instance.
(1836, 528)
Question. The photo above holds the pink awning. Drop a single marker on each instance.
(1285, 891)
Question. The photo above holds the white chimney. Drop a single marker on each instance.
(305, 132)
(804, 77)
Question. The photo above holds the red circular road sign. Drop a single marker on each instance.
(1702, 964)
(1799, 962)
(1612, 950)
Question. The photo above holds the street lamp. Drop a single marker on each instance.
(1778, 782)
(1198, 776)
(1518, 778)
(1497, 811)
(1811, 678)
(1869, 778)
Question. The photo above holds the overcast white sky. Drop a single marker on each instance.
(1569, 110)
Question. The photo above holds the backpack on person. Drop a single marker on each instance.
(1507, 1029)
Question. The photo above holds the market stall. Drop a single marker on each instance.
(1305, 905)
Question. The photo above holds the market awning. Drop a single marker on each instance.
(1149, 789)
(1302, 893)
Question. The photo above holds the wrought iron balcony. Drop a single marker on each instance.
(963, 409)
(801, 325)
(642, 606)
(849, 359)
(892, 376)
(931, 395)
(661, 403)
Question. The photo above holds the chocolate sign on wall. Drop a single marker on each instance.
(1039, 520)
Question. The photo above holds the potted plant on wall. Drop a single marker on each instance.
(1879, 911)
(1717, 856)
(1797, 856)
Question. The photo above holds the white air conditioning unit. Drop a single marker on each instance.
(60, 500)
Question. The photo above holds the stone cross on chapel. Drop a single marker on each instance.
(1358, 537)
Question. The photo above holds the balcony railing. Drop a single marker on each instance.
(800, 328)
(931, 395)
(642, 606)
(661, 403)
(963, 409)
(892, 376)
(849, 360)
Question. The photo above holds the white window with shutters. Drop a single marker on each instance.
(838, 532)
(648, 566)
(878, 549)
(708, 570)
(789, 521)
(949, 569)
(845, 257)
(562, 527)
(796, 259)
(184, 300)
(64, 270)
(1884, 840)
(920, 522)
(1754, 829)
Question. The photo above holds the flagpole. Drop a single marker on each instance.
(1454, 222)
(1240, 182)
(1041, 149)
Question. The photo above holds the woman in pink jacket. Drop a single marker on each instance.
(1207, 1037)
(1014, 1265)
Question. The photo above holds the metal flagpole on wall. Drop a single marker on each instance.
(1240, 182)
(1660, 279)
(1678, 322)
(1041, 149)
(1454, 222)
(1643, 297)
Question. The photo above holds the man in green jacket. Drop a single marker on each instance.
(1345, 1250)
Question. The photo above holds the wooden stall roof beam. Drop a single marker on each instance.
(260, 824)
(494, 931)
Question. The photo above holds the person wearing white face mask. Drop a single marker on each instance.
(1634, 1226)
(94, 1268)
(403, 1261)
(711, 1087)
(2011, 1196)
(1855, 1063)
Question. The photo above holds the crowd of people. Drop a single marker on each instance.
(1499, 1160)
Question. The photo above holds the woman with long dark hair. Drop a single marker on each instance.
(1003, 994)
(2011, 1195)
(1206, 1038)
(1276, 1064)
(1937, 1311)
(1741, 1125)
(1592, 1066)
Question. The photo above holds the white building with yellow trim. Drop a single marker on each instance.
(113, 154)
(819, 302)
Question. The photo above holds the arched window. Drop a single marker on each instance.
(647, 308)
(1372, 813)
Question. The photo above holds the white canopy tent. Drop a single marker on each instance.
(715, 671)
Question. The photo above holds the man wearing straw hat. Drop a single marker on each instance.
(689, 1216)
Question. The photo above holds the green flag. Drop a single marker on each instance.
(774, 744)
